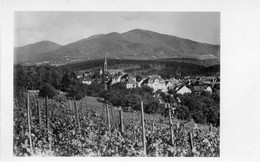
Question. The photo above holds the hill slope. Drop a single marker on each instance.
(29, 52)
(134, 44)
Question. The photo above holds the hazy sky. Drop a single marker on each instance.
(67, 27)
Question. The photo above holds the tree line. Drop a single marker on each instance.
(49, 80)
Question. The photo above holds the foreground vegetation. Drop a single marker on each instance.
(64, 137)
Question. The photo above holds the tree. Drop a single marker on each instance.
(133, 101)
(147, 89)
(152, 107)
(48, 90)
(67, 81)
(182, 112)
(119, 86)
(77, 91)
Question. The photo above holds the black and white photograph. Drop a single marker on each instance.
(117, 84)
(138, 80)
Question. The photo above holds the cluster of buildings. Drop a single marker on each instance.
(156, 82)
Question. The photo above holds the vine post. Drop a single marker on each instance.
(108, 117)
(38, 111)
(143, 128)
(191, 142)
(47, 117)
(170, 122)
(112, 117)
(77, 115)
(121, 121)
(29, 120)
(153, 124)
(81, 108)
(71, 107)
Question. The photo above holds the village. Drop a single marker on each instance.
(187, 84)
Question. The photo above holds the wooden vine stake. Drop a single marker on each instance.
(170, 123)
(77, 115)
(112, 117)
(70, 105)
(153, 125)
(29, 121)
(81, 109)
(50, 108)
(103, 109)
(191, 142)
(143, 128)
(39, 112)
(47, 117)
(121, 121)
(108, 117)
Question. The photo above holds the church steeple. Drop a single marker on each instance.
(105, 71)
(105, 63)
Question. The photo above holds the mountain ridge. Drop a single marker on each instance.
(134, 44)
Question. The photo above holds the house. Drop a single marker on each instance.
(170, 84)
(129, 80)
(207, 80)
(201, 88)
(114, 80)
(209, 89)
(79, 76)
(156, 82)
(123, 78)
(131, 84)
(182, 90)
(86, 80)
(143, 81)
(115, 71)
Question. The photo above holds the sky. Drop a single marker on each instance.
(64, 27)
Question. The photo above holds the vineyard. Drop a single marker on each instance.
(56, 127)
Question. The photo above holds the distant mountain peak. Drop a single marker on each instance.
(40, 42)
(31, 51)
(137, 30)
(134, 44)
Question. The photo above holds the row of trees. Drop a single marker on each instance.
(48, 79)
(202, 108)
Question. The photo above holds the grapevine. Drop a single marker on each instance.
(94, 139)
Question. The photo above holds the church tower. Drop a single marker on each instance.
(105, 71)
(105, 64)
